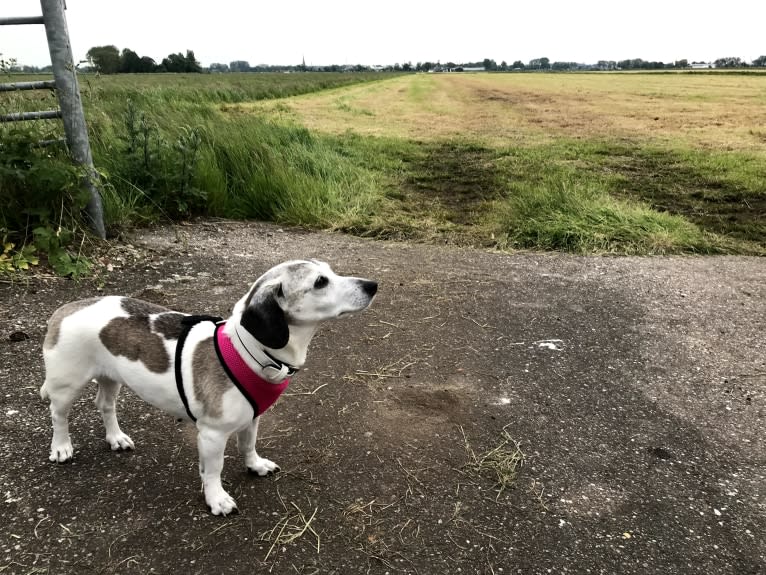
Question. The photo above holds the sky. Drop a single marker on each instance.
(374, 32)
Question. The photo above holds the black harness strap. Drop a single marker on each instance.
(188, 323)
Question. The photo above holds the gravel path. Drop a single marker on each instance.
(629, 392)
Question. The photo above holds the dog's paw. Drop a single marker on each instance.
(61, 453)
(222, 504)
(120, 442)
(261, 466)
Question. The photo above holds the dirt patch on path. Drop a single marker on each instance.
(635, 388)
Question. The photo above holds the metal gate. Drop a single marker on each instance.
(70, 104)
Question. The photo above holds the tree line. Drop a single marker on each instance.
(631, 64)
(491, 65)
(109, 60)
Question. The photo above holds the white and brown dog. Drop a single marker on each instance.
(222, 375)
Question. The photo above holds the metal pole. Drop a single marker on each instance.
(68, 91)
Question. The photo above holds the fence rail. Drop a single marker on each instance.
(16, 20)
(24, 116)
(41, 85)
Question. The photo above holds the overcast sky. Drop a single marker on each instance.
(352, 32)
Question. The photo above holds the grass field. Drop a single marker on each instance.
(636, 163)
(604, 163)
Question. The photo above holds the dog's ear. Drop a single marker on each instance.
(265, 320)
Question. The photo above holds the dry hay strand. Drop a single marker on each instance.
(291, 526)
(503, 462)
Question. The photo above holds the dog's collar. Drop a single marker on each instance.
(273, 368)
(258, 391)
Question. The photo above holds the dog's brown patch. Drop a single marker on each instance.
(133, 338)
(210, 380)
(169, 324)
(54, 323)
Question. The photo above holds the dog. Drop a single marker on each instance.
(221, 375)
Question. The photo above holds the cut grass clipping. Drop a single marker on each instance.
(291, 526)
(502, 463)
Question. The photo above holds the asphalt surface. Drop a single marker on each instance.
(634, 387)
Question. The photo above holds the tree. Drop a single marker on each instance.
(518, 65)
(489, 64)
(130, 62)
(191, 64)
(728, 62)
(564, 66)
(105, 59)
(540, 64)
(146, 65)
(239, 66)
(173, 63)
(179, 63)
(760, 61)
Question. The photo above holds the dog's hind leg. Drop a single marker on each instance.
(61, 394)
(246, 447)
(106, 402)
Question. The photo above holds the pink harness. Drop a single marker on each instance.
(259, 392)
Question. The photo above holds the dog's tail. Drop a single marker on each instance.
(44, 391)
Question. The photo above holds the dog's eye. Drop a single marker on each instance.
(321, 282)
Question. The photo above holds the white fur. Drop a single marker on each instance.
(79, 356)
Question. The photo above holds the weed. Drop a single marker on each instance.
(17, 260)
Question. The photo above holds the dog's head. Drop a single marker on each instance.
(300, 292)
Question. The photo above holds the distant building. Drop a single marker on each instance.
(700, 65)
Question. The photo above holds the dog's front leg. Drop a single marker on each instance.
(211, 444)
(246, 446)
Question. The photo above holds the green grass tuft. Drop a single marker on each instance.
(574, 216)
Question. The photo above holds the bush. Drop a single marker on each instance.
(41, 201)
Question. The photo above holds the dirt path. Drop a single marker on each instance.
(635, 388)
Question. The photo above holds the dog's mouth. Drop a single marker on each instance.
(354, 310)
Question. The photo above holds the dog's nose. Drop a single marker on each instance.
(370, 287)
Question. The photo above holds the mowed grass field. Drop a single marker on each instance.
(715, 111)
(629, 163)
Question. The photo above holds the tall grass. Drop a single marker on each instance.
(245, 167)
(255, 169)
